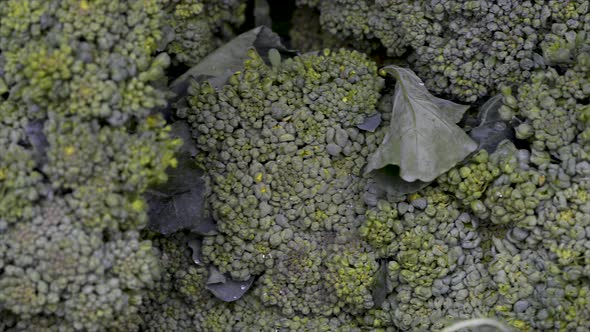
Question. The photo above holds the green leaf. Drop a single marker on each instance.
(491, 129)
(477, 324)
(218, 66)
(371, 123)
(382, 287)
(488, 112)
(225, 288)
(423, 139)
(179, 203)
(388, 180)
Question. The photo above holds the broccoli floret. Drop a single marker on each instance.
(296, 283)
(53, 267)
(307, 35)
(262, 131)
(501, 188)
(173, 314)
(195, 28)
(20, 183)
(351, 273)
(469, 182)
(179, 295)
(534, 292)
(249, 314)
(284, 143)
(140, 157)
(551, 107)
(466, 49)
(514, 203)
(435, 262)
(133, 261)
(81, 143)
(502, 235)
(381, 227)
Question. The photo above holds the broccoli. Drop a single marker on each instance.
(307, 34)
(485, 239)
(262, 131)
(54, 267)
(175, 300)
(551, 107)
(81, 142)
(465, 49)
(195, 28)
(313, 240)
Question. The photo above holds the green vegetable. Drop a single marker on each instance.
(423, 139)
(249, 167)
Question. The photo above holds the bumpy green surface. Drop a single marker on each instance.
(194, 28)
(504, 234)
(79, 146)
(285, 159)
(477, 242)
(463, 48)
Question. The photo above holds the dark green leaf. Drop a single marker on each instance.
(195, 244)
(380, 289)
(180, 202)
(226, 289)
(218, 66)
(390, 182)
(491, 129)
(371, 123)
(423, 139)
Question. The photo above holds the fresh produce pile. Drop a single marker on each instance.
(167, 165)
